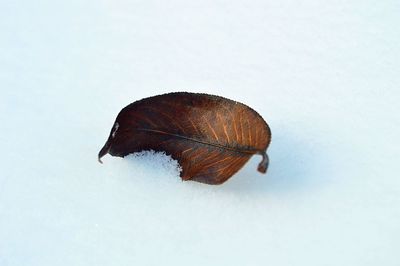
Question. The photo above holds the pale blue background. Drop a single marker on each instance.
(324, 74)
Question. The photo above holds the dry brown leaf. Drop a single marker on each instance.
(210, 136)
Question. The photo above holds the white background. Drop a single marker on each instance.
(324, 74)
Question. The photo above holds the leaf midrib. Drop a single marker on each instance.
(245, 151)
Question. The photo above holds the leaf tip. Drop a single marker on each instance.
(103, 151)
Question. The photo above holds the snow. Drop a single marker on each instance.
(324, 75)
(115, 129)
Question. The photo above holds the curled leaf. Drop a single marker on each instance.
(210, 136)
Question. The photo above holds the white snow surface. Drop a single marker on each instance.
(325, 75)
